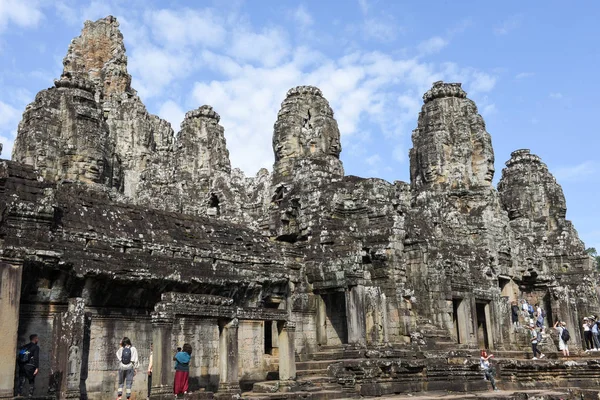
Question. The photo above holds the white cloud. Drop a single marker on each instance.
(508, 25)
(268, 47)
(186, 27)
(489, 109)
(380, 30)
(556, 95)
(432, 45)
(23, 13)
(399, 153)
(575, 172)
(172, 112)
(9, 118)
(302, 17)
(153, 68)
(482, 83)
(524, 75)
(364, 6)
(373, 160)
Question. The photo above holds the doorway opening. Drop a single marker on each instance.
(335, 318)
(482, 326)
(268, 337)
(457, 317)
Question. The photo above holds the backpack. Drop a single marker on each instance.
(543, 314)
(530, 309)
(24, 354)
(126, 356)
(539, 336)
(565, 336)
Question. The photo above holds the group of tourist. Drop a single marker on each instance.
(28, 360)
(127, 355)
(128, 365)
(534, 317)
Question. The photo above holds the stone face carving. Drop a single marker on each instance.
(306, 136)
(451, 149)
(98, 55)
(106, 207)
(64, 135)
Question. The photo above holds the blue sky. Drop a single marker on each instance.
(531, 67)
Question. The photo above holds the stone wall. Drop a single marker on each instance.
(112, 225)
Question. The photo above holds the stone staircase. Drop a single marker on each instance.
(434, 337)
(313, 379)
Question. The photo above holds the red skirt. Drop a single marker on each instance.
(181, 382)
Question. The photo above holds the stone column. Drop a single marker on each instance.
(162, 355)
(229, 382)
(321, 321)
(67, 351)
(287, 353)
(10, 300)
(355, 313)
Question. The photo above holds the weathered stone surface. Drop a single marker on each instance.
(374, 287)
(452, 149)
(306, 140)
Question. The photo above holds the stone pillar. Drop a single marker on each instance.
(287, 350)
(355, 313)
(321, 321)
(229, 382)
(162, 355)
(10, 300)
(67, 351)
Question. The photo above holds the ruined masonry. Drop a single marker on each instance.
(296, 283)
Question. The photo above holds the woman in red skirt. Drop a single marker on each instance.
(182, 370)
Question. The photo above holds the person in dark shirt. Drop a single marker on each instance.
(29, 363)
(515, 314)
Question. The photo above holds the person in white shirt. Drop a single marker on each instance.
(488, 371)
(563, 346)
(128, 363)
(535, 340)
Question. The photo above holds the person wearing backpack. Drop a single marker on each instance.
(128, 363)
(536, 338)
(563, 337)
(29, 363)
(182, 370)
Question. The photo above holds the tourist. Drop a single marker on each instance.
(536, 338)
(128, 363)
(531, 312)
(515, 314)
(563, 337)
(488, 371)
(596, 334)
(540, 316)
(182, 369)
(29, 363)
(587, 334)
(150, 371)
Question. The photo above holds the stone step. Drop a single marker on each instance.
(315, 379)
(314, 364)
(309, 372)
(266, 387)
(320, 395)
(336, 355)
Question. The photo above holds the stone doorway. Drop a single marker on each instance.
(271, 336)
(332, 321)
(459, 318)
(483, 324)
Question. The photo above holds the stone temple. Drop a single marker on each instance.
(302, 282)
